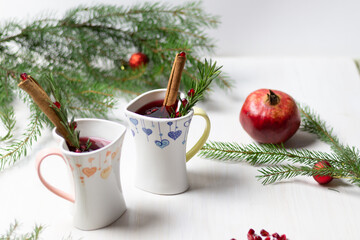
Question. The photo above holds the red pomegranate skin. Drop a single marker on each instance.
(267, 123)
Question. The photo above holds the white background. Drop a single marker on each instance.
(253, 27)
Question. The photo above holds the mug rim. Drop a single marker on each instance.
(71, 153)
(190, 113)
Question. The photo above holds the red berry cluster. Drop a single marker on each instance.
(23, 76)
(263, 233)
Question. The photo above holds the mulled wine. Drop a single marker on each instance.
(94, 143)
(156, 109)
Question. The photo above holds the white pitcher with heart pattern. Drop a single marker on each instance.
(98, 198)
(161, 146)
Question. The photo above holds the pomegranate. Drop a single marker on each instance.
(270, 116)
(322, 179)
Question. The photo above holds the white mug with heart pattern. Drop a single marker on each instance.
(98, 199)
(161, 146)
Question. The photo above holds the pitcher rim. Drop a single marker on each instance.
(68, 152)
(189, 114)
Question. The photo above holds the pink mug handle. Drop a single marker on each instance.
(39, 158)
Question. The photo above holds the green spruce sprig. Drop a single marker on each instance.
(17, 148)
(276, 159)
(207, 73)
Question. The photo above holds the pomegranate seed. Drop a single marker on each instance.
(177, 114)
(191, 92)
(23, 76)
(283, 237)
(150, 111)
(250, 237)
(251, 231)
(275, 235)
(57, 104)
(267, 238)
(182, 54)
(264, 233)
(78, 150)
(258, 237)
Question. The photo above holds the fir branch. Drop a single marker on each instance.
(7, 117)
(264, 154)
(18, 148)
(312, 123)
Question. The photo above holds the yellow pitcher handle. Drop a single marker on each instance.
(198, 111)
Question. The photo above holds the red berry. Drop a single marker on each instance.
(73, 125)
(251, 231)
(283, 237)
(322, 179)
(258, 237)
(23, 76)
(275, 235)
(182, 54)
(184, 102)
(264, 233)
(57, 104)
(191, 92)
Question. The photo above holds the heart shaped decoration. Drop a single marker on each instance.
(106, 172)
(174, 134)
(163, 143)
(148, 131)
(113, 155)
(134, 121)
(89, 171)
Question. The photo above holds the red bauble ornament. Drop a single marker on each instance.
(270, 116)
(138, 59)
(322, 179)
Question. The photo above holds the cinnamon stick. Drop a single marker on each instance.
(38, 94)
(174, 80)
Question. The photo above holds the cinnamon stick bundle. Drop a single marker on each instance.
(38, 94)
(174, 80)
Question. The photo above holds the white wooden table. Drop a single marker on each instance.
(224, 199)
